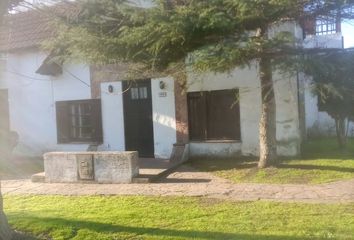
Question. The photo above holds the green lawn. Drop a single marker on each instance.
(100, 218)
(321, 162)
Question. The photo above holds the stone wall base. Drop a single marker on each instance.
(99, 167)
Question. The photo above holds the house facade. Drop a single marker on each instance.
(318, 123)
(76, 107)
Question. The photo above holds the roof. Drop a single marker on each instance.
(24, 30)
(30, 28)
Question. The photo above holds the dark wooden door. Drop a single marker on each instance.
(139, 135)
(4, 119)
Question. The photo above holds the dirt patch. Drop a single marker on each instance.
(208, 202)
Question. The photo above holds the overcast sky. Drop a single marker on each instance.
(348, 34)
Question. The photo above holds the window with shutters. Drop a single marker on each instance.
(79, 121)
(214, 115)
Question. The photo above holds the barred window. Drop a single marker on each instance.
(79, 121)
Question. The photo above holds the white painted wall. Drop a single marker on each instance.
(219, 149)
(324, 41)
(288, 125)
(32, 100)
(164, 117)
(250, 99)
(112, 117)
(319, 123)
(164, 121)
(247, 81)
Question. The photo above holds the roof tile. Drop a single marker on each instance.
(30, 28)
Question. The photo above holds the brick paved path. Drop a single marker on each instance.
(189, 182)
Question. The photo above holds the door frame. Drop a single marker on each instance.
(126, 86)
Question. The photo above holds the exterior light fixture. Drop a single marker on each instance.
(162, 85)
(110, 89)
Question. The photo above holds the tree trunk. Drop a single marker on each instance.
(5, 231)
(341, 132)
(267, 126)
(181, 106)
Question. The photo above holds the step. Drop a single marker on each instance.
(38, 178)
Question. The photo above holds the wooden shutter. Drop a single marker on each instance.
(63, 122)
(197, 115)
(96, 118)
(223, 115)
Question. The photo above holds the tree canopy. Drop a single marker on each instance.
(214, 35)
(220, 34)
(333, 83)
(6, 5)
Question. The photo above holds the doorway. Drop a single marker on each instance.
(138, 124)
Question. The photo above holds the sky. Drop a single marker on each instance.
(348, 34)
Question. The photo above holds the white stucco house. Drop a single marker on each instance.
(75, 107)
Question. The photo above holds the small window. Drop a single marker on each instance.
(214, 115)
(134, 93)
(326, 26)
(137, 93)
(79, 121)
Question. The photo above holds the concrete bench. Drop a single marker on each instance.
(99, 167)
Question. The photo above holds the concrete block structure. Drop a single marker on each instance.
(99, 167)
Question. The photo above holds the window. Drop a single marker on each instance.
(214, 115)
(137, 93)
(326, 25)
(79, 121)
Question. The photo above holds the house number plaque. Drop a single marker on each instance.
(162, 94)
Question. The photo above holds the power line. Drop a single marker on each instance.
(28, 77)
(77, 78)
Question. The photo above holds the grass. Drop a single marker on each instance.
(86, 218)
(322, 162)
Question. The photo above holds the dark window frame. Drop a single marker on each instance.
(326, 26)
(71, 121)
(206, 121)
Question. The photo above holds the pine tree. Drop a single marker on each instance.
(175, 35)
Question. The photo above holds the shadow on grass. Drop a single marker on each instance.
(149, 231)
(183, 180)
(241, 164)
(212, 165)
(315, 167)
(22, 236)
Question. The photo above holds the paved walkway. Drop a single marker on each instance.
(189, 182)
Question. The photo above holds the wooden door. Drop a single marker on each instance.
(139, 135)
